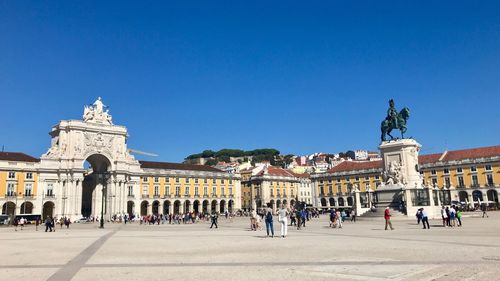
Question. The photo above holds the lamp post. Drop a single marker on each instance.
(104, 180)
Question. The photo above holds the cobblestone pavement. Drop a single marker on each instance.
(359, 251)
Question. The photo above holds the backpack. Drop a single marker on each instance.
(269, 216)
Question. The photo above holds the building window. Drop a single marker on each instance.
(205, 190)
(167, 190)
(347, 179)
(230, 181)
(367, 178)
(157, 190)
(489, 179)
(186, 190)
(272, 192)
(12, 175)
(196, 180)
(433, 172)
(487, 167)
(446, 171)
(447, 182)
(377, 177)
(475, 182)
(434, 182)
(205, 180)
(27, 189)
(461, 181)
(321, 182)
(222, 181)
(177, 190)
(130, 190)
(473, 169)
(11, 189)
(145, 179)
(214, 181)
(460, 170)
(230, 191)
(50, 189)
(222, 191)
(330, 189)
(356, 178)
(144, 190)
(187, 180)
(157, 179)
(177, 180)
(167, 179)
(29, 176)
(214, 191)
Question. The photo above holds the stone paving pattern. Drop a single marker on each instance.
(360, 251)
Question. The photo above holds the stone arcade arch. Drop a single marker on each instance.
(8, 208)
(492, 195)
(230, 206)
(26, 208)
(95, 186)
(350, 201)
(332, 202)
(341, 202)
(463, 196)
(177, 207)
(156, 207)
(477, 195)
(130, 208)
(48, 209)
(196, 206)
(166, 207)
(187, 206)
(213, 206)
(323, 202)
(205, 206)
(222, 206)
(144, 208)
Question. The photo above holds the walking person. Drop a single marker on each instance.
(214, 220)
(425, 218)
(387, 217)
(299, 219)
(459, 217)
(282, 218)
(339, 218)
(48, 224)
(483, 208)
(353, 215)
(269, 222)
(444, 216)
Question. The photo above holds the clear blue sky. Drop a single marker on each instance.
(302, 77)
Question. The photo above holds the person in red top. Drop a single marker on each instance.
(387, 217)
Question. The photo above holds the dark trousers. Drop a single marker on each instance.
(48, 227)
(269, 227)
(214, 222)
(425, 221)
(303, 220)
(459, 221)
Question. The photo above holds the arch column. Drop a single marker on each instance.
(150, 208)
(78, 197)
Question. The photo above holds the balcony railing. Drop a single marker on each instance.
(156, 196)
(131, 196)
(145, 196)
(167, 195)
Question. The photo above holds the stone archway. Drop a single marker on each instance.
(156, 207)
(214, 206)
(130, 208)
(222, 206)
(196, 206)
(205, 206)
(187, 206)
(230, 206)
(463, 196)
(166, 207)
(144, 208)
(26, 208)
(8, 208)
(323, 202)
(177, 207)
(332, 202)
(350, 201)
(341, 202)
(48, 209)
(477, 195)
(94, 186)
(492, 195)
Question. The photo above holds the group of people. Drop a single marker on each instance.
(452, 216)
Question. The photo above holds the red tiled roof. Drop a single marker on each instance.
(303, 175)
(275, 171)
(429, 158)
(472, 153)
(176, 166)
(17, 156)
(356, 165)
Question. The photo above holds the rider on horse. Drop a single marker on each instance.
(392, 114)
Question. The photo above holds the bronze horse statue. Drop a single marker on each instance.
(387, 125)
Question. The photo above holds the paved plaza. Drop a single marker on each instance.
(359, 251)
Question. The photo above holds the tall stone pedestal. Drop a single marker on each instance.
(400, 158)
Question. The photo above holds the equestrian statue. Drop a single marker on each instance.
(394, 120)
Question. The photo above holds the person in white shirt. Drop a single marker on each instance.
(282, 218)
